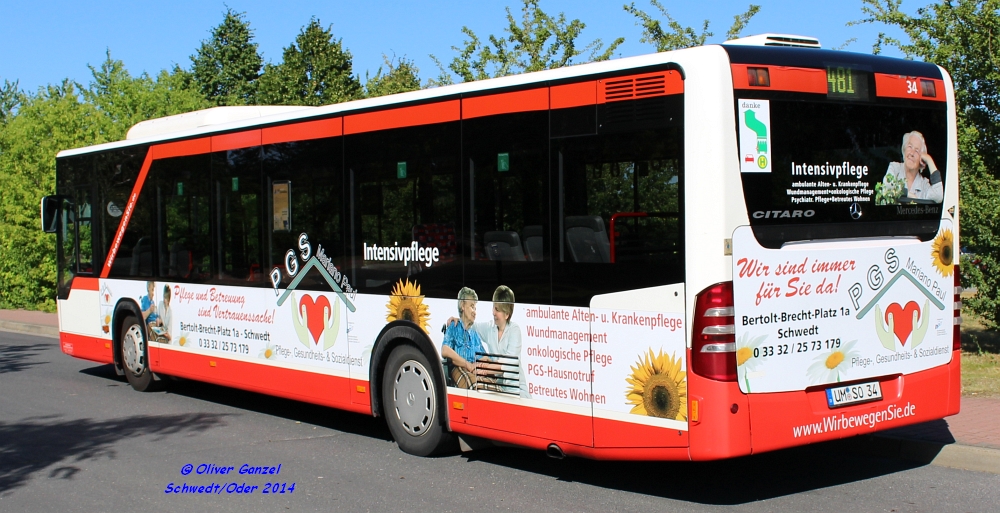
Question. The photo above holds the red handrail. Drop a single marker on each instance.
(614, 217)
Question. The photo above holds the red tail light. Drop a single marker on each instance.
(956, 340)
(713, 350)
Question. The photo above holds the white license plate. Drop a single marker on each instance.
(853, 394)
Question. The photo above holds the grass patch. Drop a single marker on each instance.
(980, 375)
(980, 358)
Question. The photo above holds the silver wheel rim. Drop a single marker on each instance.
(413, 397)
(132, 350)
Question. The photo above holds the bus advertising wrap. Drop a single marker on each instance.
(627, 365)
(827, 313)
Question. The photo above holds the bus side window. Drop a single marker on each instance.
(404, 187)
(116, 173)
(183, 233)
(304, 183)
(507, 227)
(238, 211)
(618, 204)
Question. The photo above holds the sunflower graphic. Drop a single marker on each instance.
(658, 387)
(943, 252)
(407, 304)
(826, 368)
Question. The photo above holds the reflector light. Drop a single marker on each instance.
(956, 340)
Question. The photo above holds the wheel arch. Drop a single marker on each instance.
(124, 308)
(392, 335)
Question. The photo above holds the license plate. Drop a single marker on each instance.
(853, 394)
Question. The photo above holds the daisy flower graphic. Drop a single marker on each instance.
(745, 362)
(184, 338)
(268, 352)
(828, 367)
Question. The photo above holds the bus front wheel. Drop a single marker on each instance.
(135, 356)
(410, 399)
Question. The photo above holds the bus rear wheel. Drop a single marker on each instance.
(410, 400)
(135, 356)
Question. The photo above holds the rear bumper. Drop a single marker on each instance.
(790, 419)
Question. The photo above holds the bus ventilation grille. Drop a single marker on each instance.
(642, 114)
(633, 88)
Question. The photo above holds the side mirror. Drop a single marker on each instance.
(50, 213)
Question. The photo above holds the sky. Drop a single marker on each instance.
(47, 42)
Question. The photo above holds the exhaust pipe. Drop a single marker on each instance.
(553, 451)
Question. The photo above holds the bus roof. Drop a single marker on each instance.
(215, 121)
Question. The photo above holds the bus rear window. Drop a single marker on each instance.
(830, 169)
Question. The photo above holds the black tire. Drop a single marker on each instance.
(135, 356)
(411, 399)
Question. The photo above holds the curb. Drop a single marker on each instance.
(30, 329)
(967, 457)
(964, 457)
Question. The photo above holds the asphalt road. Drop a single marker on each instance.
(75, 437)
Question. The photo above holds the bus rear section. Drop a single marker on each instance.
(843, 307)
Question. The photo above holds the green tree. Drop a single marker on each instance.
(315, 70)
(10, 98)
(677, 36)
(124, 100)
(227, 66)
(963, 36)
(54, 119)
(400, 76)
(540, 41)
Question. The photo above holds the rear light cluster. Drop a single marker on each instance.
(956, 340)
(713, 350)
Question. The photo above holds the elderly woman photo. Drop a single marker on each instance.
(910, 172)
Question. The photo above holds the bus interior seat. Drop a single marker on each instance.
(180, 261)
(532, 237)
(503, 246)
(587, 239)
(142, 258)
(437, 235)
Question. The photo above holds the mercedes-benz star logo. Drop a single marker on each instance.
(855, 211)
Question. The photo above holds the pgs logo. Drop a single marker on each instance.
(901, 321)
(316, 320)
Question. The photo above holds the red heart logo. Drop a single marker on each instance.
(902, 319)
(314, 314)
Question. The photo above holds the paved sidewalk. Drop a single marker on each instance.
(969, 440)
(28, 321)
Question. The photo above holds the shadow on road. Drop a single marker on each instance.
(339, 420)
(18, 357)
(36, 443)
(728, 482)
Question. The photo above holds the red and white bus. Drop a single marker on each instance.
(691, 255)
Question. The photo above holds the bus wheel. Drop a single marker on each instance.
(135, 356)
(409, 396)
